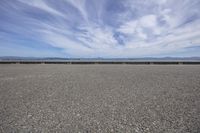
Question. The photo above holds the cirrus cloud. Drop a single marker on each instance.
(106, 28)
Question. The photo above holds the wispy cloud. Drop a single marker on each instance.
(106, 28)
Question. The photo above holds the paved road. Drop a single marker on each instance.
(100, 98)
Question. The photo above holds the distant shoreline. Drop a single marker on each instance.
(136, 62)
(57, 60)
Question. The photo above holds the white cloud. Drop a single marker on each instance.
(80, 6)
(149, 33)
(149, 21)
(129, 27)
(68, 45)
(98, 38)
(137, 27)
(149, 27)
(41, 4)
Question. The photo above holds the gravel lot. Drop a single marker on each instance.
(100, 98)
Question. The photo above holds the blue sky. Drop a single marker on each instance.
(100, 28)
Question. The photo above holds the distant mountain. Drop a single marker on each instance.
(30, 58)
(8, 58)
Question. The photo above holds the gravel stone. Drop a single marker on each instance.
(100, 98)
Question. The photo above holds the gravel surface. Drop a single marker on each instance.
(100, 98)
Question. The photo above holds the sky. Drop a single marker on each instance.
(100, 28)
